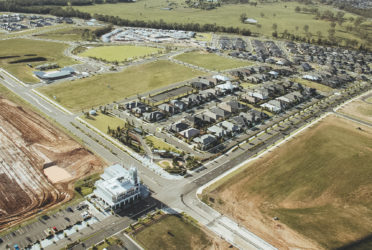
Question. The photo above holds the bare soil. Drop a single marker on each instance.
(325, 214)
(28, 145)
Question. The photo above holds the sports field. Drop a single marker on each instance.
(211, 61)
(176, 232)
(106, 88)
(120, 53)
(15, 54)
(318, 185)
(281, 13)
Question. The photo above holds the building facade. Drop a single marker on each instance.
(118, 187)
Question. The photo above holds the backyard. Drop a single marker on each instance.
(16, 54)
(211, 61)
(103, 89)
(120, 53)
(292, 184)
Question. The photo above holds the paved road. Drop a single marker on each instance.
(178, 194)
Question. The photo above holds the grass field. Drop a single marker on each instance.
(358, 109)
(26, 49)
(281, 13)
(120, 53)
(102, 122)
(71, 33)
(312, 84)
(103, 89)
(211, 61)
(318, 184)
(175, 233)
(160, 144)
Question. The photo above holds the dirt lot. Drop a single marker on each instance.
(318, 185)
(29, 145)
(360, 109)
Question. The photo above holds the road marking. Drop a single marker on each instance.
(36, 100)
(8, 83)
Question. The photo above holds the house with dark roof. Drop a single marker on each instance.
(179, 126)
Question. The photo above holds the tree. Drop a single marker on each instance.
(306, 28)
(275, 26)
(298, 9)
(262, 14)
(243, 17)
(333, 25)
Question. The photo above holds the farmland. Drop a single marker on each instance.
(103, 89)
(292, 183)
(119, 53)
(175, 232)
(15, 54)
(281, 13)
(211, 61)
(38, 162)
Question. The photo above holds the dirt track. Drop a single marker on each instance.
(29, 144)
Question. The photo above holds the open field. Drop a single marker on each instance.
(318, 185)
(102, 122)
(70, 33)
(360, 109)
(314, 85)
(160, 144)
(103, 89)
(211, 61)
(120, 53)
(30, 52)
(178, 233)
(281, 13)
(33, 154)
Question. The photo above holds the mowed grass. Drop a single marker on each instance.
(173, 232)
(318, 184)
(315, 85)
(102, 122)
(106, 88)
(211, 61)
(27, 49)
(162, 145)
(120, 53)
(71, 33)
(281, 13)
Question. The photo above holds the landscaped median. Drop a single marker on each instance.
(106, 88)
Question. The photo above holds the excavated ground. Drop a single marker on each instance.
(28, 145)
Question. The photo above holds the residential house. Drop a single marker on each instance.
(218, 131)
(232, 106)
(190, 133)
(231, 127)
(206, 141)
(171, 110)
(273, 105)
(178, 104)
(153, 116)
(179, 126)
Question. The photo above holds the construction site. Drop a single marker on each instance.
(38, 164)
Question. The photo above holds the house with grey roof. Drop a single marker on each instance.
(168, 109)
(190, 133)
(179, 126)
(218, 131)
(153, 116)
(206, 141)
(232, 106)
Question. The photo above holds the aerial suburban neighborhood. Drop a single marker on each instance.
(185, 124)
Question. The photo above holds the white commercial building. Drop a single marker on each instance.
(118, 187)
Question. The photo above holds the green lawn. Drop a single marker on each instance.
(103, 89)
(160, 144)
(102, 122)
(282, 13)
(312, 84)
(120, 53)
(26, 49)
(72, 33)
(318, 184)
(211, 61)
(175, 233)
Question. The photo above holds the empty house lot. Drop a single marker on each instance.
(317, 185)
(211, 61)
(177, 232)
(106, 88)
(17, 55)
(120, 53)
(37, 162)
(359, 109)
